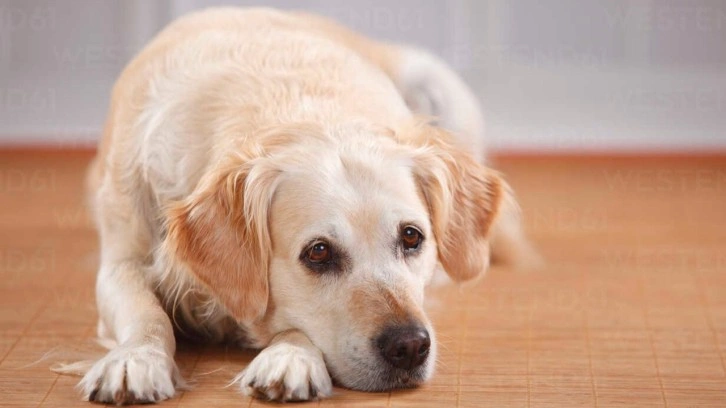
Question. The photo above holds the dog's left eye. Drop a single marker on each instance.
(319, 253)
(411, 238)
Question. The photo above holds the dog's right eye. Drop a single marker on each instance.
(322, 257)
(319, 253)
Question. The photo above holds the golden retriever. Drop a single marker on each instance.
(268, 178)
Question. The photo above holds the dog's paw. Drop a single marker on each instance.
(131, 375)
(286, 372)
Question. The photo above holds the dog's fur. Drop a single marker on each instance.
(236, 138)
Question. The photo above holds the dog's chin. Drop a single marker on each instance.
(381, 377)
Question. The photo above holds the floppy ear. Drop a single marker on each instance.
(220, 231)
(465, 199)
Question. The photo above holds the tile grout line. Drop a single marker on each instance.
(25, 329)
(35, 317)
(251, 400)
(45, 397)
(460, 352)
(652, 342)
(194, 367)
(89, 332)
(709, 321)
(529, 351)
(586, 313)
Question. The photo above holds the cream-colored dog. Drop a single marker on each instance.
(263, 179)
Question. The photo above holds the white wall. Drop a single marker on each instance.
(553, 75)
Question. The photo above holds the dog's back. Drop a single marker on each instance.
(243, 49)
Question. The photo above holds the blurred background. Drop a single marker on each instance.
(560, 75)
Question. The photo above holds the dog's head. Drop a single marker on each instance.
(337, 236)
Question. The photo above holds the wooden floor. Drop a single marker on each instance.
(630, 309)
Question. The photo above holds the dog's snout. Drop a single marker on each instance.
(405, 347)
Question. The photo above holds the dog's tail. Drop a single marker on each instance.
(428, 85)
(431, 88)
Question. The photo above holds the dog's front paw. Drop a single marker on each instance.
(286, 372)
(131, 375)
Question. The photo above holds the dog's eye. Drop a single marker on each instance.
(319, 253)
(411, 238)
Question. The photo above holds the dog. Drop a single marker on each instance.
(274, 180)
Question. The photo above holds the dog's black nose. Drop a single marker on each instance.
(405, 347)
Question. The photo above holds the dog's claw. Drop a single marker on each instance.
(313, 392)
(92, 395)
